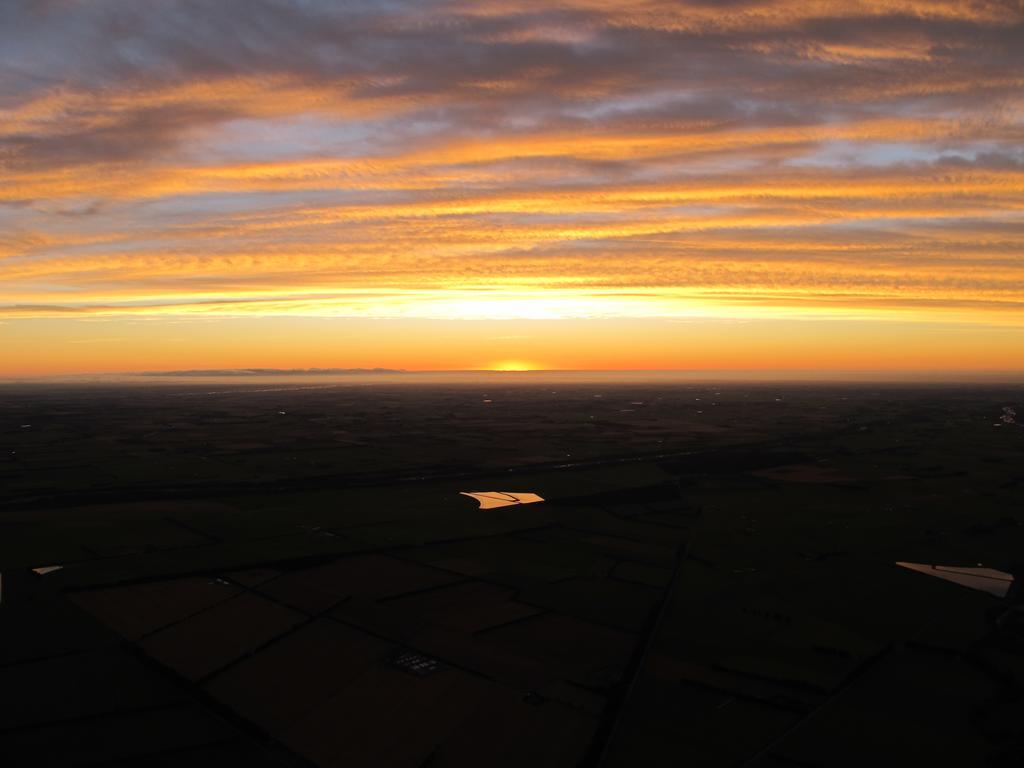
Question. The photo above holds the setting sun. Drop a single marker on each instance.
(512, 366)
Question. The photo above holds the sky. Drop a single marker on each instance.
(783, 185)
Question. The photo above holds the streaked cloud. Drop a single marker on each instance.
(451, 159)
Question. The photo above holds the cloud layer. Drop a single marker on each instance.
(493, 159)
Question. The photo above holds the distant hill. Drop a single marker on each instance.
(273, 372)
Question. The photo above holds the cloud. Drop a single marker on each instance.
(174, 156)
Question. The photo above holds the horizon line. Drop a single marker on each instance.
(874, 375)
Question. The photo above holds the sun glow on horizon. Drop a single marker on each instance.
(513, 366)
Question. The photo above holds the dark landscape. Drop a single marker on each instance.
(288, 573)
